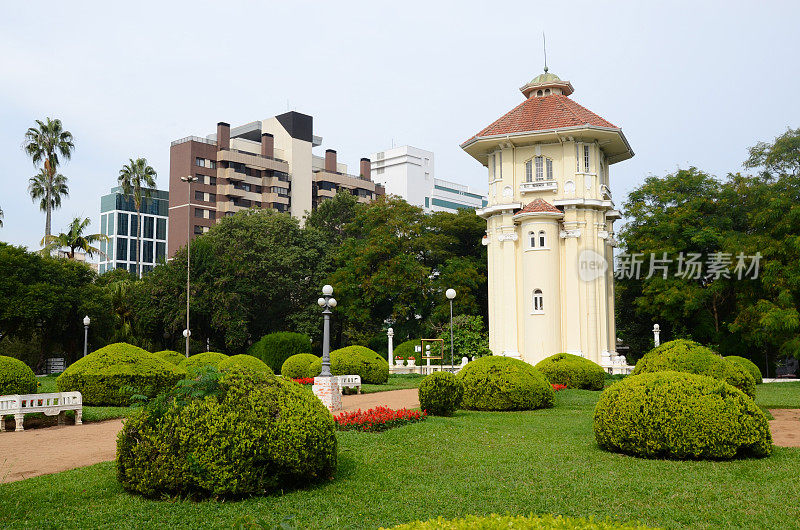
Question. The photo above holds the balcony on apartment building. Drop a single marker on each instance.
(252, 159)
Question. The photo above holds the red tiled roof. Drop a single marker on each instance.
(543, 113)
(539, 205)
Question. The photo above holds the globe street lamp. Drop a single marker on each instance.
(86, 322)
(326, 387)
(450, 294)
(189, 179)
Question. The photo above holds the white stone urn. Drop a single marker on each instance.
(412, 362)
(398, 361)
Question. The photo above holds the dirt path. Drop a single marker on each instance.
(37, 452)
(785, 427)
(394, 399)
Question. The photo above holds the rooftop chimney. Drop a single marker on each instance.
(223, 135)
(330, 160)
(267, 145)
(365, 168)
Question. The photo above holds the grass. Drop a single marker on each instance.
(395, 382)
(543, 461)
(778, 395)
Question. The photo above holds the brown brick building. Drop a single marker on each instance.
(263, 164)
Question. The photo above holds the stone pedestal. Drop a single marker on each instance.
(328, 391)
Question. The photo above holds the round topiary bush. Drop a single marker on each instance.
(275, 348)
(518, 522)
(299, 366)
(355, 360)
(440, 393)
(503, 383)
(16, 377)
(572, 371)
(245, 434)
(680, 416)
(170, 356)
(688, 356)
(406, 350)
(245, 362)
(748, 365)
(200, 360)
(112, 374)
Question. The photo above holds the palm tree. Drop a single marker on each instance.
(1, 217)
(138, 179)
(49, 189)
(44, 144)
(74, 239)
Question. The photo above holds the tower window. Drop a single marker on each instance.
(586, 158)
(529, 171)
(532, 238)
(549, 169)
(539, 93)
(500, 162)
(542, 239)
(538, 301)
(539, 168)
(546, 91)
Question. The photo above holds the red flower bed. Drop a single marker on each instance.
(559, 387)
(304, 380)
(377, 419)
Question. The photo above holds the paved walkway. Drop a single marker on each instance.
(785, 427)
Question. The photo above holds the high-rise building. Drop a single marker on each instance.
(550, 225)
(263, 164)
(408, 172)
(118, 222)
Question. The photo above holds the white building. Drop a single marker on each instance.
(408, 172)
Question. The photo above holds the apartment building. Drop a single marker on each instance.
(408, 172)
(262, 164)
(118, 222)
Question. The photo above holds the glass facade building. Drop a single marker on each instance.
(118, 222)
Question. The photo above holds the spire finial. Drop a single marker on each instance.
(544, 45)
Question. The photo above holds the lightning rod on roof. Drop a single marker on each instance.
(544, 46)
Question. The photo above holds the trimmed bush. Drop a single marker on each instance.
(227, 435)
(299, 366)
(503, 383)
(197, 361)
(517, 522)
(16, 377)
(748, 365)
(112, 374)
(406, 350)
(275, 348)
(355, 360)
(680, 416)
(688, 356)
(171, 356)
(245, 362)
(440, 393)
(572, 371)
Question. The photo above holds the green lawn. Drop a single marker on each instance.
(778, 395)
(521, 462)
(396, 382)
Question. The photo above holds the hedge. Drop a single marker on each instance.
(688, 356)
(248, 434)
(518, 522)
(170, 356)
(16, 377)
(572, 371)
(355, 360)
(298, 366)
(680, 416)
(199, 360)
(406, 350)
(246, 362)
(440, 393)
(275, 348)
(503, 383)
(112, 374)
(748, 365)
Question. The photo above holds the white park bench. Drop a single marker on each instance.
(349, 381)
(50, 404)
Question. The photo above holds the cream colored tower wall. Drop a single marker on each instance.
(298, 154)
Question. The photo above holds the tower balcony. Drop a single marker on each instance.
(538, 185)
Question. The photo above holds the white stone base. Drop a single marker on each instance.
(328, 391)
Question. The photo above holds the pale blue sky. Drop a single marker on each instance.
(690, 83)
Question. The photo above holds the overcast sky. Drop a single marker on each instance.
(690, 83)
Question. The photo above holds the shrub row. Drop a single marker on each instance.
(16, 377)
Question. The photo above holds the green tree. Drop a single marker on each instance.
(137, 179)
(74, 239)
(44, 144)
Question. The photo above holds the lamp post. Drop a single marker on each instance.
(450, 294)
(189, 179)
(86, 322)
(326, 387)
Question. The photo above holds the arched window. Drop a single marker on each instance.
(541, 167)
(542, 239)
(528, 171)
(549, 168)
(532, 239)
(538, 301)
(546, 91)
(539, 93)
